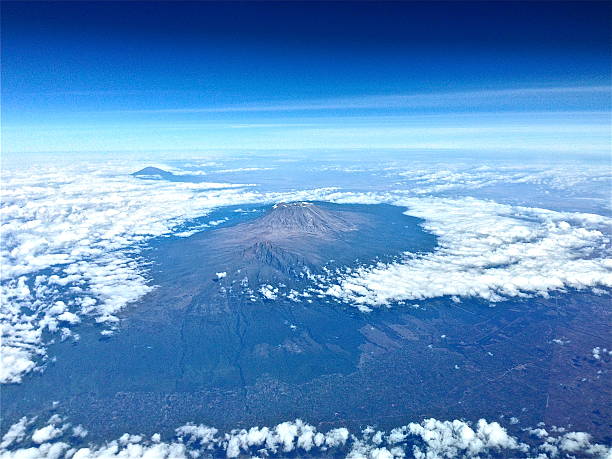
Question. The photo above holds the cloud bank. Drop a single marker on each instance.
(429, 439)
(485, 250)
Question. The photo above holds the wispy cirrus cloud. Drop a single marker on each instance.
(499, 98)
(572, 119)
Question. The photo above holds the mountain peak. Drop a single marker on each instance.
(286, 205)
(150, 171)
(304, 217)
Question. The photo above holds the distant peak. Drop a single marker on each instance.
(152, 171)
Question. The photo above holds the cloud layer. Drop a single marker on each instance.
(486, 250)
(429, 439)
(72, 236)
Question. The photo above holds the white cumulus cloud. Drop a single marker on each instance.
(487, 250)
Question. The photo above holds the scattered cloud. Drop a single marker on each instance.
(599, 353)
(269, 292)
(428, 439)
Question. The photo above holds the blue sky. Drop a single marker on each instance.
(130, 76)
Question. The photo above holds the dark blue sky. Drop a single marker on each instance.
(77, 71)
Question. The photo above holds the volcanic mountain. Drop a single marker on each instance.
(231, 329)
(153, 172)
(290, 238)
(287, 240)
(304, 218)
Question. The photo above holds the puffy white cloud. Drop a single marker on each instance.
(69, 317)
(451, 439)
(336, 437)
(115, 449)
(15, 434)
(79, 431)
(429, 439)
(44, 434)
(202, 433)
(269, 292)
